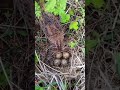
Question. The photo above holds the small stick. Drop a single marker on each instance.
(5, 74)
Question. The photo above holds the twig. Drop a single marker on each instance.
(103, 76)
(115, 20)
(91, 70)
(10, 26)
(6, 74)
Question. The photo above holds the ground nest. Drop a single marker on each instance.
(75, 63)
(48, 72)
(56, 49)
(68, 66)
(74, 70)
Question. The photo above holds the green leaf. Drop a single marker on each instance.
(117, 57)
(64, 85)
(50, 5)
(96, 34)
(39, 88)
(7, 33)
(37, 10)
(71, 12)
(36, 58)
(3, 81)
(72, 44)
(57, 7)
(23, 33)
(7, 14)
(98, 3)
(64, 17)
(74, 25)
(62, 4)
(83, 50)
(90, 44)
(87, 2)
(58, 11)
(82, 11)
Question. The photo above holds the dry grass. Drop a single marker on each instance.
(75, 70)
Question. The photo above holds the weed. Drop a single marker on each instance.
(96, 3)
(37, 10)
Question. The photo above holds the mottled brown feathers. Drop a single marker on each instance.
(53, 30)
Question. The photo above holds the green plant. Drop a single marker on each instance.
(64, 85)
(97, 3)
(72, 44)
(36, 58)
(90, 44)
(22, 33)
(57, 7)
(82, 18)
(37, 10)
(3, 80)
(117, 58)
(74, 25)
(64, 17)
(39, 88)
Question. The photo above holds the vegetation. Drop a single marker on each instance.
(72, 17)
(102, 54)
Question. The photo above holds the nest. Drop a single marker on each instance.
(75, 70)
(47, 72)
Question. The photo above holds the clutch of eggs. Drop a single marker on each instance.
(61, 58)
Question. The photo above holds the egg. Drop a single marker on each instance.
(58, 55)
(64, 62)
(57, 62)
(66, 55)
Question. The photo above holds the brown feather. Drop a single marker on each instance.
(53, 30)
